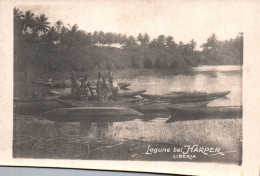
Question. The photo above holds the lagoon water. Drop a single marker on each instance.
(130, 139)
(204, 78)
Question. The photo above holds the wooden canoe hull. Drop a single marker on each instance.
(190, 100)
(34, 108)
(162, 107)
(124, 85)
(122, 94)
(91, 114)
(121, 102)
(186, 96)
(54, 84)
(132, 103)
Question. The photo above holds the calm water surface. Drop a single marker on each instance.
(153, 128)
(203, 78)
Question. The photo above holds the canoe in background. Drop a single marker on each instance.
(190, 100)
(91, 113)
(54, 84)
(162, 107)
(124, 85)
(186, 95)
(124, 94)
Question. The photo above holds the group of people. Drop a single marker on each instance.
(81, 88)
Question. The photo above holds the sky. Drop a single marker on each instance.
(183, 20)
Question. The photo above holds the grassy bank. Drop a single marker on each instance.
(45, 139)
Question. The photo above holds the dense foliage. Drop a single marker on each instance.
(40, 45)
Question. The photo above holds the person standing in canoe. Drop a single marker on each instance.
(77, 91)
(109, 73)
(85, 88)
(104, 89)
(99, 84)
(73, 82)
(114, 87)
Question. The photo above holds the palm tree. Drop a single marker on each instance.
(74, 28)
(17, 20)
(193, 44)
(58, 25)
(41, 24)
(72, 32)
(28, 20)
(17, 14)
(52, 35)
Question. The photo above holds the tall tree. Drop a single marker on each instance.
(131, 43)
(17, 14)
(95, 37)
(41, 24)
(52, 36)
(101, 37)
(18, 27)
(58, 25)
(140, 38)
(161, 41)
(169, 41)
(193, 44)
(72, 34)
(212, 42)
(146, 39)
(28, 20)
(153, 44)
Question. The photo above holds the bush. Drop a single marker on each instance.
(157, 63)
(148, 63)
(136, 62)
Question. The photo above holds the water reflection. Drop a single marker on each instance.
(128, 138)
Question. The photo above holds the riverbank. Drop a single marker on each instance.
(126, 141)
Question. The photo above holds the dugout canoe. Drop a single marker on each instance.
(124, 85)
(162, 107)
(217, 110)
(91, 114)
(40, 99)
(122, 94)
(53, 84)
(186, 96)
(121, 85)
(94, 103)
(190, 100)
(34, 108)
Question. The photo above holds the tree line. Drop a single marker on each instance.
(60, 47)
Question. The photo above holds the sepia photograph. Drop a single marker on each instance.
(84, 91)
(150, 81)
